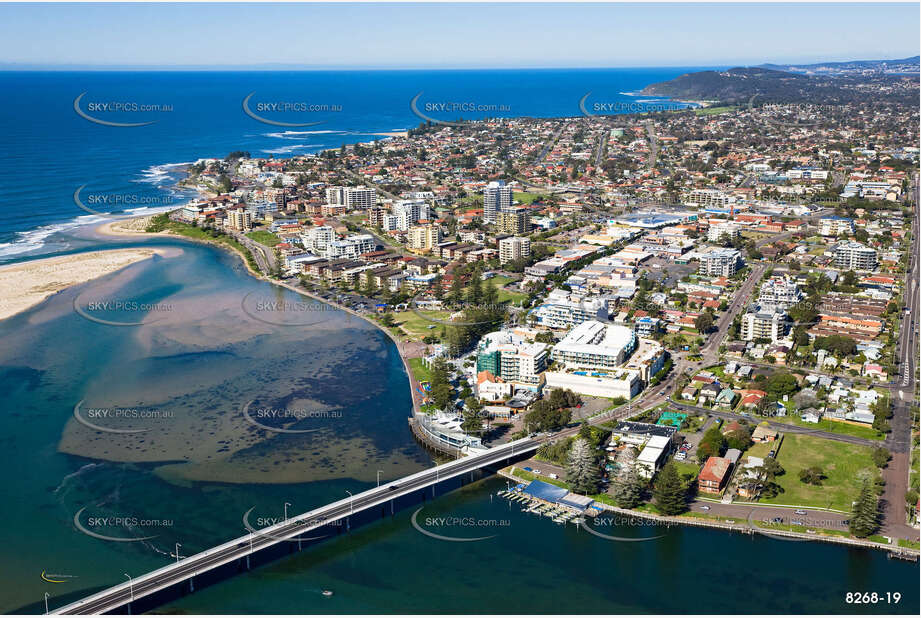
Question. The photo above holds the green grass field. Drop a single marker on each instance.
(161, 222)
(845, 429)
(709, 111)
(526, 198)
(840, 463)
(420, 371)
(264, 238)
(504, 295)
(417, 326)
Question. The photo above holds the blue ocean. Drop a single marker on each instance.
(49, 150)
(83, 509)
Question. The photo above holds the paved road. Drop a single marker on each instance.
(546, 149)
(178, 572)
(264, 256)
(785, 427)
(601, 144)
(904, 393)
(653, 144)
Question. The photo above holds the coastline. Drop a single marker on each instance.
(47, 276)
(731, 526)
(136, 227)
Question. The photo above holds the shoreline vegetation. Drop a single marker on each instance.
(731, 524)
(159, 225)
(24, 285)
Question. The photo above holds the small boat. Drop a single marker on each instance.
(327, 593)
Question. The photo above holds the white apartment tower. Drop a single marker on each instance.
(497, 197)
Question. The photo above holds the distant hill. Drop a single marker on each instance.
(741, 84)
(904, 65)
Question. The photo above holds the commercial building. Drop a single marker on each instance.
(766, 323)
(653, 456)
(318, 239)
(351, 246)
(422, 238)
(353, 198)
(513, 221)
(513, 248)
(714, 475)
(562, 309)
(707, 197)
(497, 197)
(512, 358)
(855, 256)
(614, 383)
(595, 345)
(239, 219)
(408, 212)
(717, 231)
(720, 262)
(835, 226)
(780, 292)
(376, 217)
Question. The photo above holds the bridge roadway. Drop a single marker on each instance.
(121, 595)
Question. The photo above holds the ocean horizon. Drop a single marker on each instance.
(52, 151)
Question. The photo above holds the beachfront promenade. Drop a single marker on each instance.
(145, 592)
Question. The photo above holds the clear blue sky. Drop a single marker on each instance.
(454, 35)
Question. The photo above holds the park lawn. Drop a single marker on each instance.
(416, 325)
(420, 371)
(840, 463)
(760, 449)
(687, 468)
(264, 238)
(526, 198)
(709, 111)
(846, 429)
(511, 297)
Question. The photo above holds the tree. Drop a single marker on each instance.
(704, 322)
(881, 457)
(812, 475)
(761, 480)
(865, 516)
(739, 439)
(669, 493)
(711, 445)
(543, 417)
(780, 384)
(473, 415)
(583, 472)
(440, 387)
(627, 488)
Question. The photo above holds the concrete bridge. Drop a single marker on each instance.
(145, 592)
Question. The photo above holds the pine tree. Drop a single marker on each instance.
(583, 473)
(627, 488)
(865, 516)
(669, 492)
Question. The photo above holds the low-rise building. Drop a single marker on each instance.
(712, 478)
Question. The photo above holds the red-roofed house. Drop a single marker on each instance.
(714, 475)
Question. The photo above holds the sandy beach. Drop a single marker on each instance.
(26, 284)
(136, 226)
